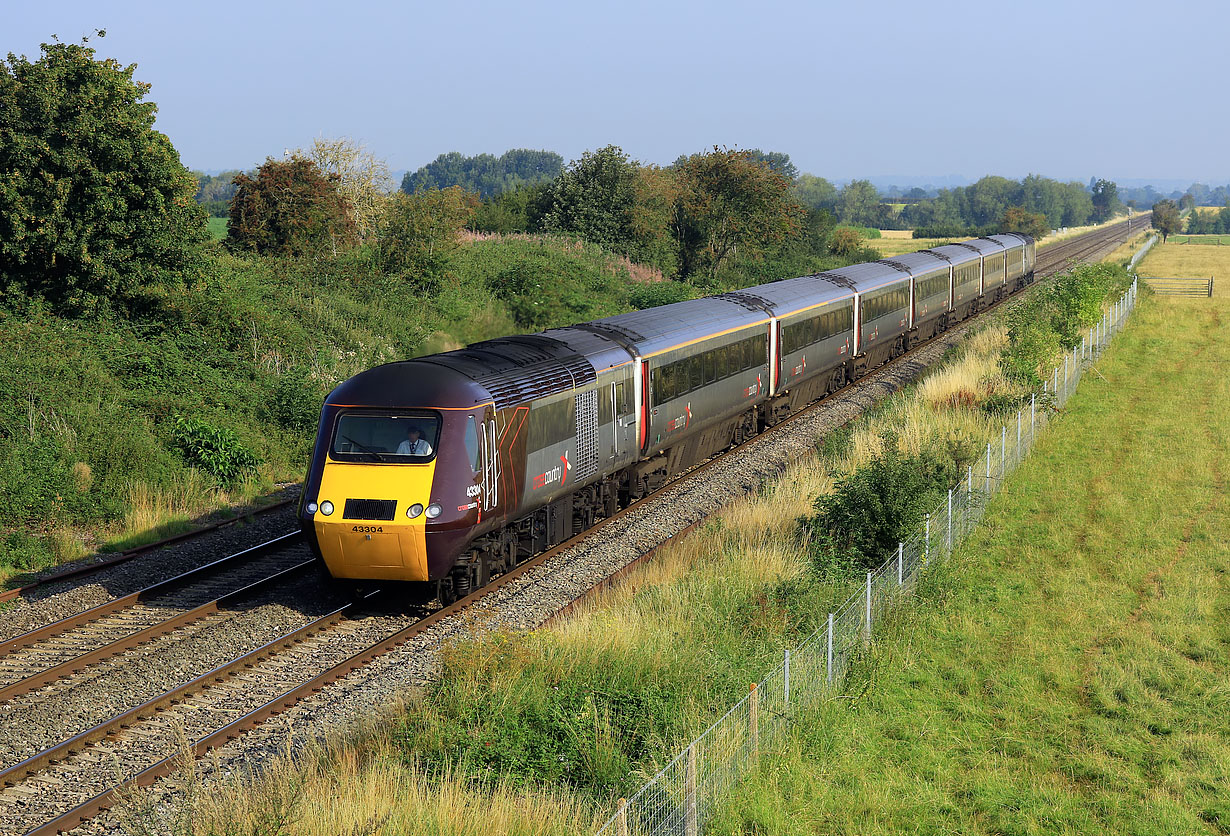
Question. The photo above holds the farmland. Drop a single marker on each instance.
(1179, 260)
(1066, 672)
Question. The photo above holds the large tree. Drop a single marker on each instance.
(595, 197)
(289, 208)
(362, 178)
(859, 204)
(1166, 218)
(94, 203)
(1106, 202)
(420, 232)
(730, 202)
(1016, 219)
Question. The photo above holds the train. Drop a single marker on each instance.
(449, 469)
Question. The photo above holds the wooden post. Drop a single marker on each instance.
(621, 818)
(691, 824)
(754, 711)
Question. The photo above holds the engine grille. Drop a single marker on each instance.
(369, 509)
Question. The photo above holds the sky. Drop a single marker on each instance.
(1066, 88)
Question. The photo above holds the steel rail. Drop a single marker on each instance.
(105, 800)
(183, 579)
(133, 640)
(136, 551)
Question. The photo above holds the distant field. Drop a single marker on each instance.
(1183, 261)
(1066, 672)
(1214, 240)
(217, 228)
(895, 245)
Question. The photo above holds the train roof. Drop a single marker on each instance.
(792, 295)
(986, 246)
(918, 263)
(655, 330)
(1009, 239)
(867, 276)
(957, 253)
(430, 384)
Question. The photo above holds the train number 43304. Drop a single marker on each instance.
(369, 529)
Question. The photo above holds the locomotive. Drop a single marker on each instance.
(451, 468)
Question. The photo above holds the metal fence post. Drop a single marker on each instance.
(1003, 450)
(1033, 401)
(691, 823)
(1055, 383)
(988, 484)
(969, 479)
(900, 565)
(786, 679)
(927, 538)
(868, 622)
(829, 667)
(1018, 437)
(950, 520)
(754, 719)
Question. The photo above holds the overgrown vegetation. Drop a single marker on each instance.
(1055, 317)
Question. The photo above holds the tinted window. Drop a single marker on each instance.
(471, 440)
(385, 438)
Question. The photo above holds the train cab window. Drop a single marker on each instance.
(472, 445)
(400, 439)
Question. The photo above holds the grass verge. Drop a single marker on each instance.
(1067, 672)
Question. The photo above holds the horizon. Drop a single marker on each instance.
(413, 83)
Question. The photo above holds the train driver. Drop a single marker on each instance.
(414, 443)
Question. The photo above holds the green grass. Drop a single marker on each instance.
(1067, 672)
(1213, 240)
(217, 228)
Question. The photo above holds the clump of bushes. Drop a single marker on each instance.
(1055, 316)
(882, 503)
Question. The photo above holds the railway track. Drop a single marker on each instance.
(61, 785)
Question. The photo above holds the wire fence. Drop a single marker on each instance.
(681, 797)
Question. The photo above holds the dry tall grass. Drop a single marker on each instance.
(1189, 262)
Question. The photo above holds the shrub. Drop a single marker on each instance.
(215, 450)
(289, 208)
(882, 503)
(655, 294)
(295, 402)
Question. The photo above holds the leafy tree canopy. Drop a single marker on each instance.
(1016, 219)
(486, 174)
(1166, 218)
(289, 208)
(95, 205)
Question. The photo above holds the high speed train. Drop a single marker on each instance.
(451, 468)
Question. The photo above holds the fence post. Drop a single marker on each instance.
(868, 622)
(1033, 400)
(969, 479)
(829, 667)
(988, 484)
(950, 520)
(691, 825)
(1018, 437)
(754, 712)
(621, 820)
(927, 538)
(1055, 383)
(1065, 375)
(1003, 451)
(786, 671)
(900, 567)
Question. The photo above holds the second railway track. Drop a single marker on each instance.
(62, 784)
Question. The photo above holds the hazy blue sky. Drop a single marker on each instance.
(846, 88)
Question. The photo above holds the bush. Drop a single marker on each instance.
(656, 294)
(295, 402)
(882, 503)
(945, 231)
(215, 450)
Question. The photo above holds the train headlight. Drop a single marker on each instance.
(414, 510)
(326, 507)
(311, 507)
(433, 511)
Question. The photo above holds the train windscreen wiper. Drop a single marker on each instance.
(365, 449)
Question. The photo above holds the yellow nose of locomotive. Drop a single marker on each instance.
(369, 534)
